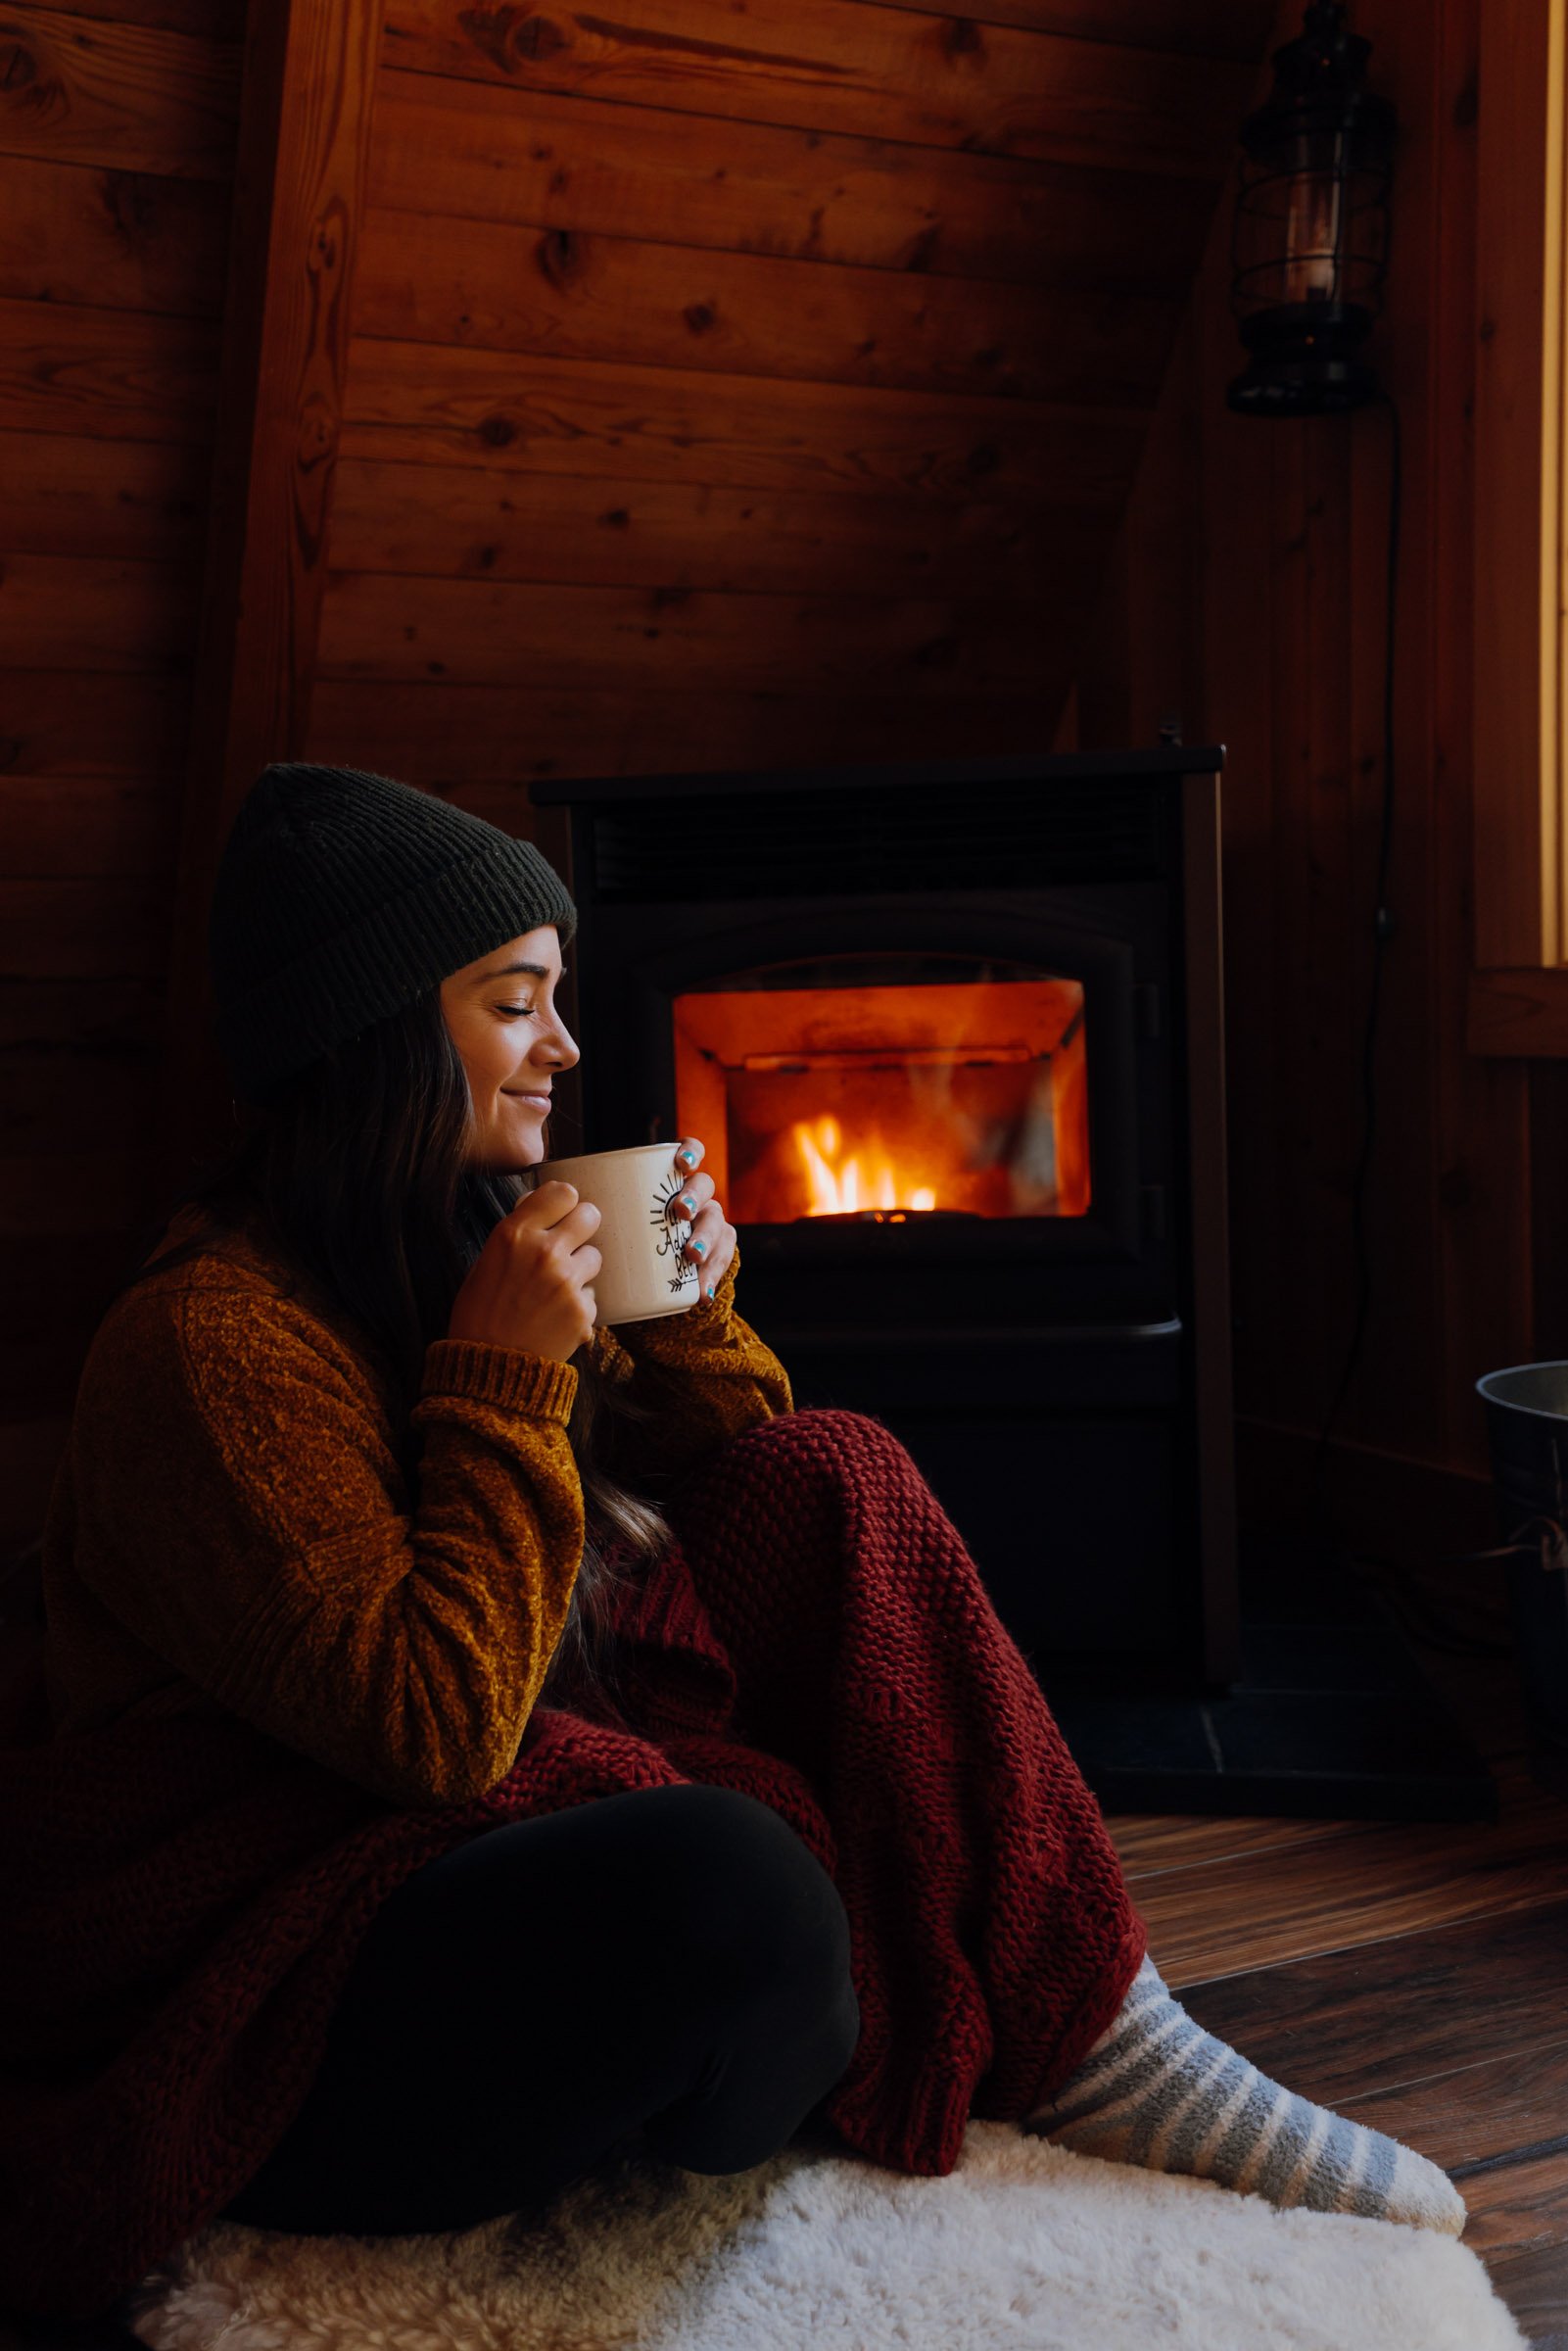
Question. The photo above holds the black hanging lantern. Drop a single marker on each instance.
(1310, 241)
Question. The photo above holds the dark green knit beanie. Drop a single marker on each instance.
(340, 897)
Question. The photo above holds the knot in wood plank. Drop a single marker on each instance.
(327, 243)
(509, 34)
(18, 68)
(962, 37)
(559, 256)
(131, 203)
(36, 95)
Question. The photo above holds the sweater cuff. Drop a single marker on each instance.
(535, 1384)
(707, 1320)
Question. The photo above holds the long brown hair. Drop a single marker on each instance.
(358, 1168)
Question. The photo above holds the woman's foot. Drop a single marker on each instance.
(1159, 2091)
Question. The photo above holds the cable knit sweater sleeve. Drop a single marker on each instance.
(242, 1516)
(706, 1374)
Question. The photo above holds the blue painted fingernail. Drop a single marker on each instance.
(691, 1158)
(710, 1289)
(701, 1248)
(686, 1203)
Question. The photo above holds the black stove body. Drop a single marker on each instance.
(952, 1036)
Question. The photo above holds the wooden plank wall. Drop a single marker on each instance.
(118, 125)
(725, 395)
(1248, 592)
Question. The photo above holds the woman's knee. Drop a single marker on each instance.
(750, 1901)
(813, 1425)
(830, 1441)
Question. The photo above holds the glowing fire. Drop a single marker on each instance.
(890, 1101)
(837, 1190)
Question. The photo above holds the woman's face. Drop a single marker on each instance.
(514, 1043)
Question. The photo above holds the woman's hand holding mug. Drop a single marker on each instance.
(530, 1285)
(712, 1243)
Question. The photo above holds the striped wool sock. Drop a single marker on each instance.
(1159, 2091)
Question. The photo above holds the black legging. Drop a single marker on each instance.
(671, 1958)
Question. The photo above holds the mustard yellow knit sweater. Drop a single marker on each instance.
(229, 1528)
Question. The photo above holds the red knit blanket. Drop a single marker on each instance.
(185, 1896)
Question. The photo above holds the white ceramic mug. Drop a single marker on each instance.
(645, 1273)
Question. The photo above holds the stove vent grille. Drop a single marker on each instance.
(845, 842)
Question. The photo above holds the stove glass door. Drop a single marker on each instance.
(891, 1088)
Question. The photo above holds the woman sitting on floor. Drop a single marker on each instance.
(472, 1741)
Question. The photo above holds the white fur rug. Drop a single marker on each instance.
(1025, 2244)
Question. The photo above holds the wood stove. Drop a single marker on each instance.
(952, 1034)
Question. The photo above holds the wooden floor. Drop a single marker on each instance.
(1413, 1977)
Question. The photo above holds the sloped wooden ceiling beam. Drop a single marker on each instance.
(308, 88)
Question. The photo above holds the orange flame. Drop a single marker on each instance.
(837, 1190)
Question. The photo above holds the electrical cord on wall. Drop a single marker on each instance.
(1383, 931)
(1411, 1609)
